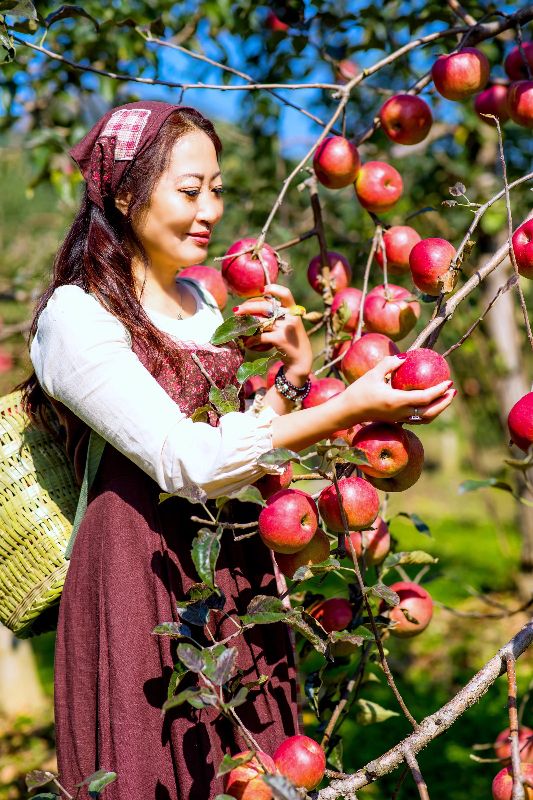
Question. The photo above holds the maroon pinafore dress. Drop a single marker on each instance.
(130, 565)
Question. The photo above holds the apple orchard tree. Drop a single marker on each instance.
(439, 89)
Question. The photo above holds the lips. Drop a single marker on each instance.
(203, 238)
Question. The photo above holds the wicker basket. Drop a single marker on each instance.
(38, 500)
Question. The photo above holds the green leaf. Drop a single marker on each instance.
(353, 637)
(173, 629)
(309, 570)
(178, 673)
(100, 781)
(228, 762)
(335, 756)
(200, 414)
(385, 593)
(18, 8)
(353, 455)
(282, 788)
(278, 457)
(307, 626)
(182, 697)
(226, 399)
(249, 368)
(409, 557)
(419, 524)
(472, 486)
(232, 328)
(248, 494)
(224, 797)
(312, 687)
(193, 658)
(69, 11)
(8, 45)
(223, 668)
(367, 712)
(340, 317)
(205, 552)
(238, 699)
(200, 592)
(37, 778)
(44, 796)
(264, 609)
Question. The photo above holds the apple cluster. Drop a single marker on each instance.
(299, 758)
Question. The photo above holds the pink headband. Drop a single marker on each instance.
(106, 152)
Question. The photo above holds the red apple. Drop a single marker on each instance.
(502, 745)
(274, 23)
(378, 186)
(346, 70)
(313, 553)
(352, 297)
(365, 353)
(360, 501)
(334, 614)
(244, 274)
(374, 543)
(418, 605)
(409, 474)
(272, 371)
(245, 782)
(336, 162)
(345, 433)
(399, 240)
(289, 521)
(341, 348)
(462, 74)
(301, 760)
(252, 385)
(321, 390)
(520, 422)
(523, 248)
(340, 272)
(385, 446)
(514, 63)
(270, 484)
(428, 261)
(406, 118)
(492, 101)
(520, 103)
(502, 785)
(210, 279)
(421, 369)
(390, 311)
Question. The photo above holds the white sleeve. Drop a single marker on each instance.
(82, 357)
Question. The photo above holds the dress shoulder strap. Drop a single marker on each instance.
(197, 286)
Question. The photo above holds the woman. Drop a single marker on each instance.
(121, 345)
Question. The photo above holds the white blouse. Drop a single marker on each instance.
(82, 357)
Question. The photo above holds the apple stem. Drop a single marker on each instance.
(373, 248)
(62, 789)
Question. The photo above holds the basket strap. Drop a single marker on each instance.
(94, 456)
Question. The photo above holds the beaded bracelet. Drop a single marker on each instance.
(288, 389)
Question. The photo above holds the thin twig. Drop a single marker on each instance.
(412, 763)
(375, 242)
(229, 525)
(518, 787)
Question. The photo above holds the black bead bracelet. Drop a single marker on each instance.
(288, 389)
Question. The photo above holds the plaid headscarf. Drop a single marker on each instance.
(106, 152)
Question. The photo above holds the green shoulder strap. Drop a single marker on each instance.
(94, 456)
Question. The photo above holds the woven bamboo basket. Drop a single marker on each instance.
(38, 500)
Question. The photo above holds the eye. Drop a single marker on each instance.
(191, 192)
(219, 191)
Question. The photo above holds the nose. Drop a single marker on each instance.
(210, 208)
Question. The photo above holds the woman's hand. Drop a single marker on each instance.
(372, 398)
(287, 334)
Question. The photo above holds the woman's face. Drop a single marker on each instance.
(186, 201)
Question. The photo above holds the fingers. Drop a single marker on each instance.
(423, 397)
(258, 307)
(431, 411)
(388, 365)
(283, 294)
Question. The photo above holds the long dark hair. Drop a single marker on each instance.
(98, 250)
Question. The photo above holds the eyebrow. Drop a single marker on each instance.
(198, 175)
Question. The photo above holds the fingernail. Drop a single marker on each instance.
(402, 355)
(454, 392)
(450, 383)
(235, 308)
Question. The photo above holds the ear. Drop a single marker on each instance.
(123, 203)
